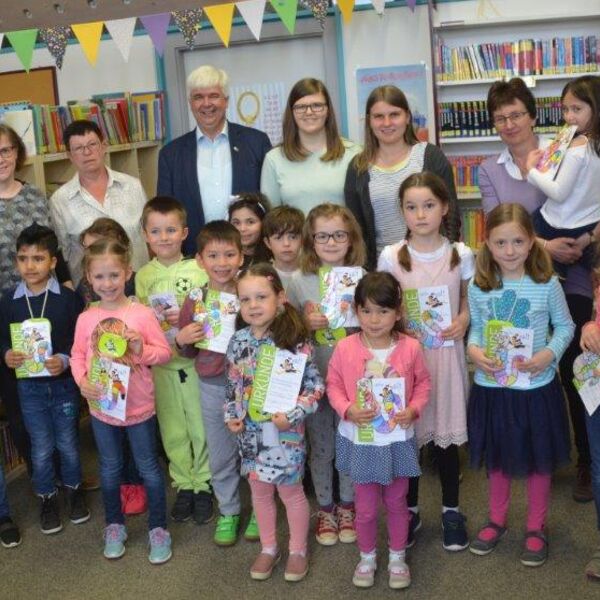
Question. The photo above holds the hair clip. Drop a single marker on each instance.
(269, 277)
(261, 208)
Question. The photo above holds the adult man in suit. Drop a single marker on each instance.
(204, 167)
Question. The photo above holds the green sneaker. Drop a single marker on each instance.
(227, 530)
(251, 534)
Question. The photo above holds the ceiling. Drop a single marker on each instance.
(42, 13)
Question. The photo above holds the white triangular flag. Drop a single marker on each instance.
(378, 5)
(121, 31)
(1, 39)
(252, 12)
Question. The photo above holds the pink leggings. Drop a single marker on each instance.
(367, 497)
(538, 497)
(296, 508)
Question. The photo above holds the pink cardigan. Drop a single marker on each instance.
(155, 351)
(348, 364)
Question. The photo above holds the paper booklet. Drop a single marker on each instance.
(159, 303)
(509, 346)
(33, 338)
(586, 370)
(429, 313)
(387, 397)
(277, 382)
(217, 311)
(114, 379)
(553, 155)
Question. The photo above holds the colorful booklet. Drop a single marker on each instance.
(217, 311)
(114, 379)
(386, 396)
(554, 154)
(509, 346)
(586, 369)
(277, 382)
(159, 303)
(429, 313)
(32, 337)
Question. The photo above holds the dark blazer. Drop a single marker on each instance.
(178, 173)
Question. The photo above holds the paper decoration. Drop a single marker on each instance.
(23, 43)
(411, 4)
(379, 6)
(287, 11)
(1, 39)
(121, 32)
(318, 9)
(252, 12)
(156, 26)
(89, 35)
(56, 38)
(221, 15)
(346, 8)
(188, 21)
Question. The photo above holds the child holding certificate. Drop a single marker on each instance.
(433, 273)
(272, 385)
(378, 384)
(516, 430)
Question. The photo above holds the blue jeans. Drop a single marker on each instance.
(51, 415)
(4, 510)
(593, 430)
(142, 441)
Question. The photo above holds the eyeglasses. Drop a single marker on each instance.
(316, 107)
(7, 151)
(339, 236)
(91, 147)
(501, 120)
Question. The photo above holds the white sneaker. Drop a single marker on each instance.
(364, 574)
(399, 574)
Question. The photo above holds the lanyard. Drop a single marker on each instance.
(43, 305)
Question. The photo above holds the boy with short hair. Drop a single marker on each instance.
(220, 254)
(49, 403)
(282, 231)
(163, 284)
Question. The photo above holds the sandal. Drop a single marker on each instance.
(482, 547)
(534, 558)
(592, 569)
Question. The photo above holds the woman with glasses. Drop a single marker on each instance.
(503, 178)
(391, 153)
(309, 166)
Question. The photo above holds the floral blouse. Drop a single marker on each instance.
(279, 458)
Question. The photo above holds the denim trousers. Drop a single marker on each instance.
(593, 430)
(4, 510)
(50, 412)
(143, 444)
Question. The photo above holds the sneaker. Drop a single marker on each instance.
(134, 500)
(364, 574)
(399, 575)
(160, 546)
(115, 536)
(582, 490)
(262, 567)
(226, 531)
(534, 558)
(414, 524)
(78, 511)
(346, 531)
(252, 534)
(203, 507)
(49, 517)
(183, 507)
(482, 546)
(592, 569)
(296, 567)
(327, 528)
(9, 533)
(455, 533)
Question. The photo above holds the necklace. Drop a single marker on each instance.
(370, 346)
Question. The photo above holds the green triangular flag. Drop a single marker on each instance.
(23, 43)
(287, 10)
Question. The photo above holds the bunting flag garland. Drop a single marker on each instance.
(56, 39)
(318, 9)
(411, 4)
(221, 16)
(252, 12)
(346, 8)
(188, 21)
(379, 6)
(121, 32)
(156, 27)
(89, 35)
(287, 11)
(23, 43)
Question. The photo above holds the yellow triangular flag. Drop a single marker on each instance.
(221, 15)
(346, 8)
(89, 35)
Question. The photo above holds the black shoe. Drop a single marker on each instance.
(203, 507)
(78, 511)
(183, 507)
(9, 533)
(49, 517)
(455, 532)
(414, 524)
